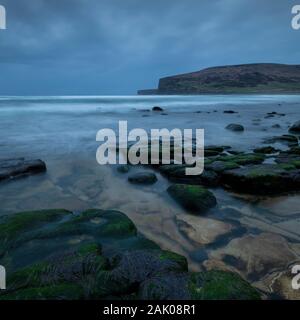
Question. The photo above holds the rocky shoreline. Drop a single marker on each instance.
(97, 254)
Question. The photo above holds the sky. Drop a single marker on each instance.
(115, 47)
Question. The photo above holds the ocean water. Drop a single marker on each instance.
(62, 132)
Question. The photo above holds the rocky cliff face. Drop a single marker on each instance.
(248, 78)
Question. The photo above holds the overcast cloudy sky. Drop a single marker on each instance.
(72, 47)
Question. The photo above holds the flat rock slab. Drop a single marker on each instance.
(202, 230)
(15, 168)
(257, 256)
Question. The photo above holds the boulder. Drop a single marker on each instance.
(229, 111)
(15, 168)
(295, 127)
(265, 150)
(156, 108)
(193, 198)
(235, 127)
(262, 179)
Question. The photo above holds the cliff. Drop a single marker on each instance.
(268, 78)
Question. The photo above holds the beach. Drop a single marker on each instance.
(257, 235)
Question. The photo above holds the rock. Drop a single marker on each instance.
(295, 127)
(211, 151)
(211, 285)
(194, 198)
(276, 126)
(220, 166)
(280, 284)
(156, 108)
(262, 179)
(276, 113)
(13, 227)
(171, 286)
(97, 254)
(124, 168)
(138, 265)
(285, 138)
(15, 168)
(176, 173)
(143, 178)
(265, 150)
(202, 230)
(235, 127)
(255, 256)
(243, 159)
(220, 285)
(229, 111)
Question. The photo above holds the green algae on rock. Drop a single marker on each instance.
(262, 179)
(220, 285)
(102, 257)
(194, 198)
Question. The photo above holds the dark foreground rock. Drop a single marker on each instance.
(16, 168)
(98, 254)
(194, 198)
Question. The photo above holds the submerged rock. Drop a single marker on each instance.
(202, 230)
(235, 127)
(143, 178)
(194, 198)
(255, 256)
(15, 168)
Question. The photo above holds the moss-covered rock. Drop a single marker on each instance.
(220, 285)
(177, 173)
(63, 291)
(194, 198)
(220, 166)
(262, 179)
(243, 159)
(96, 254)
(265, 150)
(65, 274)
(14, 226)
(210, 285)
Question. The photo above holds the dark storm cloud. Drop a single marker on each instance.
(119, 46)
